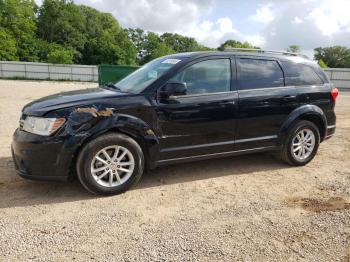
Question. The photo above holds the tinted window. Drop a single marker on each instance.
(321, 74)
(208, 76)
(137, 81)
(256, 73)
(299, 74)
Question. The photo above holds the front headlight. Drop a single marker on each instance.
(42, 126)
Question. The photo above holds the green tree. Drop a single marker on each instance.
(108, 42)
(294, 49)
(181, 43)
(322, 64)
(235, 44)
(334, 56)
(8, 49)
(125, 49)
(60, 55)
(155, 47)
(139, 39)
(19, 22)
(150, 45)
(62, 22)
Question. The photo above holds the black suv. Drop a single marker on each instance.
(178, 108)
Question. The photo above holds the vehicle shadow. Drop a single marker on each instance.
(18, 192)
(206, 169)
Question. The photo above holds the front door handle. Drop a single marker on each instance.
(228, 102)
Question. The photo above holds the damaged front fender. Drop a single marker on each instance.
(83, 124)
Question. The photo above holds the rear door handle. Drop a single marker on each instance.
(289, 98)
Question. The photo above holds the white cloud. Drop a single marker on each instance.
(332, 16)
(275, 24)
(263, 14)
(154, 15)
(176, 16)
(324, 24)
(215, 33)
(297, 20)
(208, 29)
(256, 40)
(225, 25)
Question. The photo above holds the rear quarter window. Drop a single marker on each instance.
(300, 74)
(322, 74)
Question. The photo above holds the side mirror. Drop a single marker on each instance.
(172, 88)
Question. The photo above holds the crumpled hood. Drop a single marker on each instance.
(43, 105)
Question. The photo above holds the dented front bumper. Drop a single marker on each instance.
(41, 158)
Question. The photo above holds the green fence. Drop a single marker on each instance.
(113, 73)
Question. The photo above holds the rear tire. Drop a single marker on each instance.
(110, 164)
(301, 144)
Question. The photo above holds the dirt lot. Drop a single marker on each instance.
(242, 208)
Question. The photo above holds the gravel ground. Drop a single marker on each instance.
(251, 208)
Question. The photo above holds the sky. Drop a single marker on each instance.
(270, 24)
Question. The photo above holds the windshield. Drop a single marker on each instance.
(137, 81)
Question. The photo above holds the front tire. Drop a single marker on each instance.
(301, 144)
(110, 164)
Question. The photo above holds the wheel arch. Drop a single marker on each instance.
(310, 113)
(128, 125)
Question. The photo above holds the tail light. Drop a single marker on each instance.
(334, 93)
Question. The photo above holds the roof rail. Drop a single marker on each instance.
(257, 50)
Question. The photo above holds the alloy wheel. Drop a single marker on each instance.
(112, 166)
(303, 144)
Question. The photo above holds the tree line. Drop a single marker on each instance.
(334, 56)
(59, 31)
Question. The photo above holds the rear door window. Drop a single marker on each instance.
(300, 74)
(259, 73)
